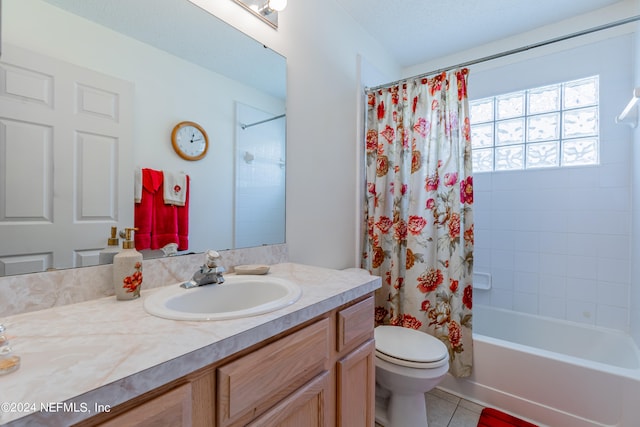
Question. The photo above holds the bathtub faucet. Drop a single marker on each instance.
(209, 273)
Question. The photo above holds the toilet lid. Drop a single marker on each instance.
(409, 345)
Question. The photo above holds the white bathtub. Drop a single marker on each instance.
(552, 372)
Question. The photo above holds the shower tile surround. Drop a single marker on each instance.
(557, 241)
(38, 291)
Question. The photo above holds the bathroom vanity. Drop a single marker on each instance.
(110, 363)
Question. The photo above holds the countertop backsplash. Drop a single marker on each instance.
(38, 291)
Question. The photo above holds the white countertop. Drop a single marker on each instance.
(105, 352)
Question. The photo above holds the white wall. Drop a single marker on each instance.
(321, 43)
(557, 241)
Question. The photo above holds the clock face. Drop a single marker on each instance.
(190, 141)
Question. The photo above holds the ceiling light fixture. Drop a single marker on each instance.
(277, 5)
(267, 10)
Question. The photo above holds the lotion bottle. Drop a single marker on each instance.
(113, 247)
(127, 269)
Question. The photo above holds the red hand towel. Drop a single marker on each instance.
(158, 223)
(144, 211)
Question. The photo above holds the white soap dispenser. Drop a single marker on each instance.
(113, 247)
(127, 269)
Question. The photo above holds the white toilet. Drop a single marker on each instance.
(408, 364)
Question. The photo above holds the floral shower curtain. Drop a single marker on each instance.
(418, 209)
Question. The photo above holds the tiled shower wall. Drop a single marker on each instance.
(635, 271)
(557, 242)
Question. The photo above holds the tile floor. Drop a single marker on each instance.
(447, 410)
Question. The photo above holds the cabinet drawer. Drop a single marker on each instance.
(250, 385)
(355, 324)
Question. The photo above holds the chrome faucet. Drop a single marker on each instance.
(209, 272)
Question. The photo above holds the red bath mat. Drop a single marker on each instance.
(493, 418)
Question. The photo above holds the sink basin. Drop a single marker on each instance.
(238, 296)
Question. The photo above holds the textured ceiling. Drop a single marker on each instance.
(417, 31)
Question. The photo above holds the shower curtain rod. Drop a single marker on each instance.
(513, 51)
(243, 126)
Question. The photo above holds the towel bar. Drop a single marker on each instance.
(627, 109)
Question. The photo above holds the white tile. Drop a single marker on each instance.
(584, 222)
(481, 296)
(463, 417)
(527, 241)
(481, 259)
(481, 201)
(482, 181)
(553, 242)
(482, 218)
(613, 270)
(502, 299)
(583, 312)
(583, 244)
(582, 290)
(506, 181)
(526, 282)
(504, 200)
(527, 220)
(612, 317)
(552, 285)
(613, 222)
(614, 174)
(444, 395)
(553, 264)
(584, 267)
(502, 259)
(613, 246)
(525, 302)
(548, 178)
(581, 199)
(502, 239)
(613, 294)
(614, 198)
(502, 278)
(526, 261)
(583, 177)
(552, 307)
(555, 221)
(473, 407)
(503, 220)
(439, 410)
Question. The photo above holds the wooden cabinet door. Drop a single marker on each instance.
(171, 409)
(356, 387)
(307, 407)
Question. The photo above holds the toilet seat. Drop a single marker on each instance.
(409, 347)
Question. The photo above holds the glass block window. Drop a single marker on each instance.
(548, 126)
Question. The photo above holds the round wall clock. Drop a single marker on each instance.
(190, 140)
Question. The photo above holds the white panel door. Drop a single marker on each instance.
(66, 167)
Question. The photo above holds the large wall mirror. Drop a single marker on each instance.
(162, 62)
